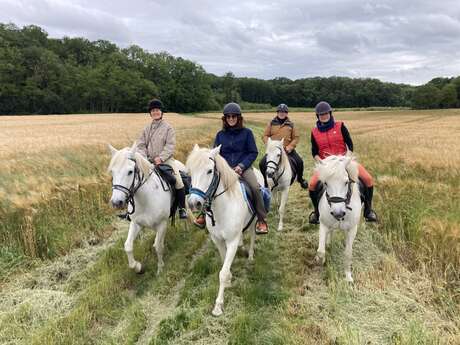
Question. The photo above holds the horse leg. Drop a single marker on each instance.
(284, 197)
(252, 243)
(328, 238)
(225, 276)
(348, 252)
(132, 234)
(320, 257)
(220, 244)
(160, 244)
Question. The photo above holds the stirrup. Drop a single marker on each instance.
(371, 217)
(259, 231)
(313, 218)
(182, 213)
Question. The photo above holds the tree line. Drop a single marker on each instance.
(42, 75)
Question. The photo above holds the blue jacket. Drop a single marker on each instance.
(238, 147)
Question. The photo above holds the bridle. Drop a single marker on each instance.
(210, 193)
(338, 199)
(276, 167)
(138, 181)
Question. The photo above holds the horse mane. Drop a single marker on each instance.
(142, 163)
(277, 144)
(331, 165)
(200, 157)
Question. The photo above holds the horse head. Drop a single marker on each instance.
(123, 169)
(274, 152)
(338, 173)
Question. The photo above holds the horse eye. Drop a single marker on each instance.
(130, 172)
(209, 172)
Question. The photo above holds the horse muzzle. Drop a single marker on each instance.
(338, 214)
(118, 203)
(195, 202)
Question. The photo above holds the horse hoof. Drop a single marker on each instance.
(141, 270)
(319, 259)
(348, 278)
(217, 311)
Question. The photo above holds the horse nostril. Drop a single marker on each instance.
(198, 204)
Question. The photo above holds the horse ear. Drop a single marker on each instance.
(282, 140)
(269, 140)
(196, 147)
(215, 151)
(134, 147)
(112, 150)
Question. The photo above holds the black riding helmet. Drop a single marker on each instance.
(155, 104)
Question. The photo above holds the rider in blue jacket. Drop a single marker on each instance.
(239, 149)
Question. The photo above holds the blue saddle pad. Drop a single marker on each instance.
(248, 197)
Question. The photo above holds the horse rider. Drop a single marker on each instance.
(281, 127)
(238, 148)
(157, 143)
(331, 137)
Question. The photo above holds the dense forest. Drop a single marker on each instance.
(42, 75)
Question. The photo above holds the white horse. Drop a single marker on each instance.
(340, 205)
(217, 190)
(135, 184)
(279, 174)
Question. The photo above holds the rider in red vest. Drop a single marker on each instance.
(332, 138)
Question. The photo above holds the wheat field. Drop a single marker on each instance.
(65, 280)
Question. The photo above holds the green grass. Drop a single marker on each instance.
(405, 290)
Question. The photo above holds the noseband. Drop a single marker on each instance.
(338, 199)
(210, 193)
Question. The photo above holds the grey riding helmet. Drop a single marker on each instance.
(283, 108)
(323, 108)
(232, 108)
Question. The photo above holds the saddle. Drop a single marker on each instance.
(167, 174)
(249, 196)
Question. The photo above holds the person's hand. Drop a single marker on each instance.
(288, 149)
(157, 160)
(238, 170)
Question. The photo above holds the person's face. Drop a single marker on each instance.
(282, 114)
(231, 119)
(155, 114)
(324, 117)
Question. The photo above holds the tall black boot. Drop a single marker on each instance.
(263, 169)
(314, 216)
(180, 195)
(369, 213)
(300, 179)
(299, 169)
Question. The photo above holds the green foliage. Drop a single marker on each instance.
(426, 97)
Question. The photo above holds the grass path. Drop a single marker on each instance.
(91, 297)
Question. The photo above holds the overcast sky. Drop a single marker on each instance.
(400, 41)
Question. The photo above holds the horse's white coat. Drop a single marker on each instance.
(275, 153)
(230, 210)
(152, 203)
(335, 172)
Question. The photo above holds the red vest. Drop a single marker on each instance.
(330, 142)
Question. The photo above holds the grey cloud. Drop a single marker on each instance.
(408, 41)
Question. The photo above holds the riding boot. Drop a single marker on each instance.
(180, 195)
(369, 213)
(299, 169)
(263, 169)
(314, 216)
